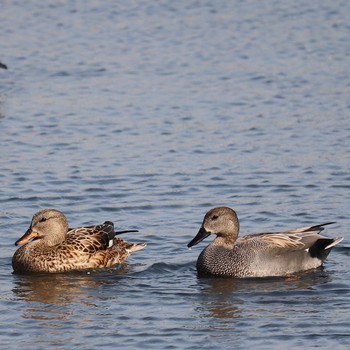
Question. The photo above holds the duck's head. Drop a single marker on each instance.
(221, 221)
(49, 224)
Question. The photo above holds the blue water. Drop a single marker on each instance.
(148, 114)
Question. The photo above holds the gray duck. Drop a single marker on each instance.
(261, 254)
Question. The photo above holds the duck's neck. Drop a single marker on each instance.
(224, 241)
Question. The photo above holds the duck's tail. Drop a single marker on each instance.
(323, 246)
(125, 231)
(134, 247)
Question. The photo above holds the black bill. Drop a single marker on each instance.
(202, 234)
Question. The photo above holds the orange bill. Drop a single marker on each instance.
(27, 237)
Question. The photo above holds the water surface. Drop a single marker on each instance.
(149, 114)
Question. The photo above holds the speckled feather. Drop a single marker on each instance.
(261, 254)
(81, 248)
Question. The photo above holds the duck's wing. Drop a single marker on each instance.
(315, 228)
(106, 227)
(92, 238)
(297, 239)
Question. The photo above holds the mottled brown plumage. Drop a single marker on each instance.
(50, 246)
(258, 255)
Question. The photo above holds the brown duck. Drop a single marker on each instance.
(50, 246)
(258, 255)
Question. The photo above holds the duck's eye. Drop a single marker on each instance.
(214, 217)
(43, 219)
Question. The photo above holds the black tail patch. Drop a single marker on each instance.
(318, 249)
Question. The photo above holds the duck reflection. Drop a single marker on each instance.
(221, 301)
(218, 298)
(226, 298)
(66, 287)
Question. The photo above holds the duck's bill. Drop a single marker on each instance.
(27, 237)
(202, 234)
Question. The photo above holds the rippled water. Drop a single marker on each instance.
(149, 114)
